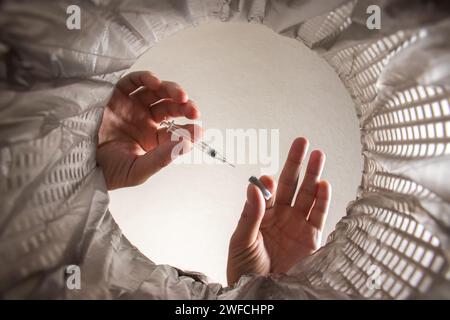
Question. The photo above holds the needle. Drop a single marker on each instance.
(202, 146)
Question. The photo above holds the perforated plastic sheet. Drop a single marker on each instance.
(55, 82)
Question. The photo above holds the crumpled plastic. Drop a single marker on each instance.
(55, 82)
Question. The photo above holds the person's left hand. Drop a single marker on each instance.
(132, 147)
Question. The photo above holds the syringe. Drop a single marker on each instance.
(179, 132)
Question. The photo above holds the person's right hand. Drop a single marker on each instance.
(273, 235)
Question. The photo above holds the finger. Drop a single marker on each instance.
(192, 131)
(167, 109)
(146, 97)
(287, 183)
(307, 192)
(270, 185)
(247, 229)
(148, 164)
(319, 211)
(134, 80)
(172, 90)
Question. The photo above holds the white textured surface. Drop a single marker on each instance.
(241, 76)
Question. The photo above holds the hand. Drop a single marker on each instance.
(273, 235)
(132, 147)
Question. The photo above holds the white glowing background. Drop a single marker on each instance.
(241, 76)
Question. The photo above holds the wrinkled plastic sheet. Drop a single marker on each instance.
(54, 204)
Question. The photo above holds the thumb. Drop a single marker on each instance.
(247, 229)
(148, 164)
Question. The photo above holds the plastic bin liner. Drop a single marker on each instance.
(55, 82)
